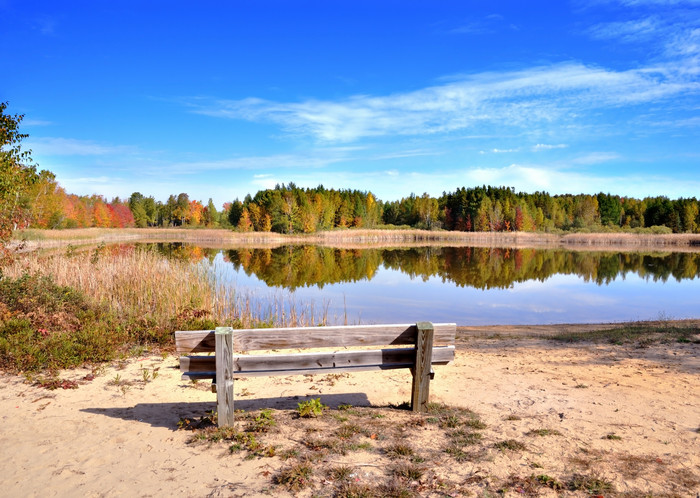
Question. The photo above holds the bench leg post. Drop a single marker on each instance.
(224, 375)
(421, 371)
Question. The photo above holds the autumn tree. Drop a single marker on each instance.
(427, 210)
(235, 212)
(210, 217)
(17, 174)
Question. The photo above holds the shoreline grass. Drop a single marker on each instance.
(640, 333)
(351, 238)
(69, 308)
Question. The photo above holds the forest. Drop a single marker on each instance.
(290, 209)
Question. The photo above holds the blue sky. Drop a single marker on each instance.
(221, 99)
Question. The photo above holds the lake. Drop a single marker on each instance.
(466, 285)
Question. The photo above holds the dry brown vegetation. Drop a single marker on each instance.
(139, 283)
(363, 238)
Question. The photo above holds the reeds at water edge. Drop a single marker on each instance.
(143, 284)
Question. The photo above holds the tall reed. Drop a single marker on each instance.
(147, 288)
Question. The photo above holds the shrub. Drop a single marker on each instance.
(47, 326)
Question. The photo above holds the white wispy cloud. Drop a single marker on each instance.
(627, 31)
(657, 3)
(509, 99)
(499, 151)
(592, 158)
(314, 159)
(52, 146)
(671, 27)
(540, 147)
(35, 122)
(555, 179)
(485, 25)
(400, 154)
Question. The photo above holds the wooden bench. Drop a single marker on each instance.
(423, 345)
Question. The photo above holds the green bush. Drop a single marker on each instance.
(47, 326)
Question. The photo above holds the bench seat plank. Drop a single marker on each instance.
(203, 367)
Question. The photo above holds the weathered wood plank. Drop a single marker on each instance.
(312, 371)
(288, 364)
(421, 374)
(224, 376)
(313, 337)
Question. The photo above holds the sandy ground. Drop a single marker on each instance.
(117, 435)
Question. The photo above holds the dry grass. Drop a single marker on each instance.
(128, 281)
(366, 238)
(145, 285)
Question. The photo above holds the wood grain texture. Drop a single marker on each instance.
(204, 367)
(198, 341)
(224, 375)
(423, 360)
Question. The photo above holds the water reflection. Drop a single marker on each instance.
(291, 267)
(466, 285)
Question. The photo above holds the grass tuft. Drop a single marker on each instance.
(409, 471)
(399, 450)
(543, 432)
(295, 477)
(510, 445)
(592, 484)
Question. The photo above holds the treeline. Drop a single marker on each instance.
(49, 206)
(501, 209)
(290, 209)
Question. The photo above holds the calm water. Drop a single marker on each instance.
(469, 286)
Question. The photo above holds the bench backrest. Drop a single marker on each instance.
(245, 340)
(359, 336)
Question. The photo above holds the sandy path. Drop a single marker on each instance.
(107, 439)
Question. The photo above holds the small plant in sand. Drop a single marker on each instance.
(408, 471)
(56, 383)
(347, 431)
(549, 482)
(612, 437)
(149, 375)
(462, 437)
(118, 381)
(263, 422)
(543, 432)
(399, 450)
(310, 409)
(296, 476)
(510, 445)
(592, 484)
(340, 473)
